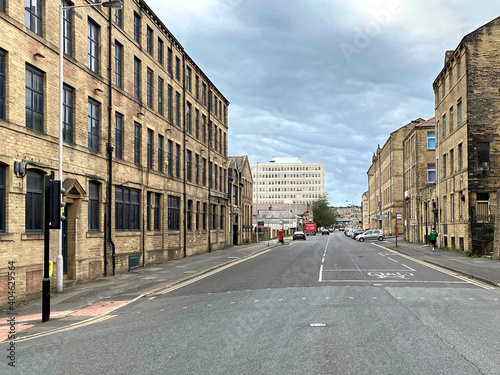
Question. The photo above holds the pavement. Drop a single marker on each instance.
(96, 300)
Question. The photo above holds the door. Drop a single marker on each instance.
(235, 230)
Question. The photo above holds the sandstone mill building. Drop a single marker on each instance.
(145, 163)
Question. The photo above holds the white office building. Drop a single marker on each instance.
(287, 180)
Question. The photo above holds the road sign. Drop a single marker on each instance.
(260, 223)
(399, 216)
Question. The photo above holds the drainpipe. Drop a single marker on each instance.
(109, 150)
(210, 176)
(184, 237)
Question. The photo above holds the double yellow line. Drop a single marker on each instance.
(440, 269)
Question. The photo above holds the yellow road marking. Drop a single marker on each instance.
(440, 269)
(68, 328)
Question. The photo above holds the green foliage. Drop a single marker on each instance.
(489, 229)
(322, 213)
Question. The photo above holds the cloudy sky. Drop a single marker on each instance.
(322, 80)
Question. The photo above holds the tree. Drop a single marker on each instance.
(322, 213)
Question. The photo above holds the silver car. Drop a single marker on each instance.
(373, 234)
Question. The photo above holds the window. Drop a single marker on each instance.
(204, 172)
(137, 143)
(443, 87)
(196, 168)
(177, 160)
(93, 206)
(118, 65)
(93, 47)
(444, 127)
(137, 28)
(149, 40)
(149, 91)
(34, 202)
(2, 84)
(188, 118)
(204, 94)
(483, 156)
(220, 141)
(197, 87)
(214, 216)
(160, 153)
(169, 102)
(460, 157)
(160, 51)
(160, 95)
(67, 113)
(169, 157)
(2, 198)
(93, 124)
(68, 29)
(210, 174)
(215, 177)
(203, 128)
(127, 209)
(222, 210)
(118, 135)
(148, 211)
(188, 165)
(189, 218)
(459, 68)
(451, 78)
(444, 166)
(225, 116)
(173, 213)
(197, 123)
(431, 173)
(178, 108)
(215, 138)
(452, 161)
(156, 215)
(188, 79)
(482, 206)
(197, 215)
(459, 112)
(204, 216)
(169, 60)
(137, 78)
(177, 68)
(34, 99)
(451, 120)
(150, 149)
(33, 15)
(119, 17)
(235, 195)
(225, 149)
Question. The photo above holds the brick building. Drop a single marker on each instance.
(468, 149)
(385, 181)
(145, 142)
(419, 172)
(240, 191)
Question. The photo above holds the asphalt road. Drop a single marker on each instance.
(327, 305)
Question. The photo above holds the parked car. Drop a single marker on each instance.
(299, 235)
(356, 233)
(325, 231)
(374, 234)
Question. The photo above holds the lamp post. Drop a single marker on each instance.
(62, 9)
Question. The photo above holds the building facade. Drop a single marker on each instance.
(285, 180)
(419, 172)
(240, 198)
(144, 133)
(385, 182)
(468, 146)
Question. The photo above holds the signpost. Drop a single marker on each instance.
(398, 217)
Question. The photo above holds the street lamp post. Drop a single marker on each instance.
(62, 9)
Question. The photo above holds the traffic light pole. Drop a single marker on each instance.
(46, 247)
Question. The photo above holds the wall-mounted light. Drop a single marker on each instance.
(19, 169)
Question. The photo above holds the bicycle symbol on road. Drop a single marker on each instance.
(391, 275)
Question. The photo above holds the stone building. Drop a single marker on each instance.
(467, 111)
(385, 181)
(144, 136)
(365, 212)
(419, 172)
(240, 198)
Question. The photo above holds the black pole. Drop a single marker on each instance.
(46, 248)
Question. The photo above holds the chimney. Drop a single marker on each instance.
(447, 56)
